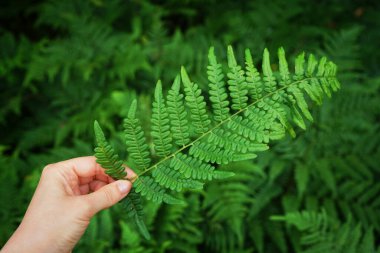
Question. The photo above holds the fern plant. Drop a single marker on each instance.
(249, 110)
(320, 233)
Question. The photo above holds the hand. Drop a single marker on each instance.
(68, 195)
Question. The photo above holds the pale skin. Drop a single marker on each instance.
(68, 195)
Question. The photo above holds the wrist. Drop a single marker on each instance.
(30, 240)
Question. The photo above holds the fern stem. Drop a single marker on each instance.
(216, 126)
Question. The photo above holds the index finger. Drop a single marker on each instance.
(87, 167)
(83, 166)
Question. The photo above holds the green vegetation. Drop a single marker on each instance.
(65, 64)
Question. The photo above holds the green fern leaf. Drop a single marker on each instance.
(268, 77)
(305, 220)
(177, 114)
(135, 140)
(236, 82)
(132, 203)
(229, 140)
(174, 180)
(193, 168)
(297, 118)
(273, 107)
(284, 69)
(160, 124)
(195, 101)
(147, 187)
(301, 102)
(313, 88)
(263, 108)
(218, 94)
(106, 156)
(321, 233)
(253, 78)
(210, 153)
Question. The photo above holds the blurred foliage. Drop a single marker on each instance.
(64, 64)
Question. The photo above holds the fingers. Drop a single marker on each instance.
(83, 166)
(107, 195)
(91, 187)
(87, 169)
(84, 189)
(96, 185)
(103, 178)
(91, 184)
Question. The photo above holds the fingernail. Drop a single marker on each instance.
(123, 186)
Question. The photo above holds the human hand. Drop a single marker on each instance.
(68, 194)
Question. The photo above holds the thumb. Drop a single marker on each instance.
(108, 195)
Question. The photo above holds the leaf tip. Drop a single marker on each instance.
(211, 55)
(132, 109)
(248, 55)
(184, 76)
(158, 90)
(99, 135)
(231, 56)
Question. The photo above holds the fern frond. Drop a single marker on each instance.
(321, 234)
(160, 124)
(263, 108)
(134, 207)
(255, 125)
(218, 94)
(255, 122)
(236, 82)
(305, 220)
(193, 168)
(174, 180)
(147, 187)
(187, 227)
(135, 140)
(283, 66)
(178, 114)
(253, 78)
(106, 156)
(229, 140)
(210, 153)
(226, 204)
(195, 102)
(181, 225)
(270, 84)
(301, 102)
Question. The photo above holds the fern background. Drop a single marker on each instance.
(64, 64)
